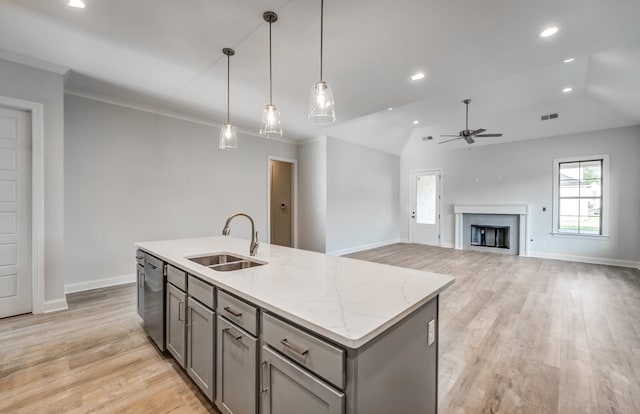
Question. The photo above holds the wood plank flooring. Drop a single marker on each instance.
(93, 358)
(517, 335)
(525, 335)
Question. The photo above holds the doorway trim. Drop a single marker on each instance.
(295, 196)
(36, 110)
(440, 226)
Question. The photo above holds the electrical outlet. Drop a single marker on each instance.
(431, 332)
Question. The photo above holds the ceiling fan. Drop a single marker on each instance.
(467, 134)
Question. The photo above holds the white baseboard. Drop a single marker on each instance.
(99, 283)
(585, 259)
(54, 305)
(448, 245)
(356, 249)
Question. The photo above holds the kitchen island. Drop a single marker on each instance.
(301, 331)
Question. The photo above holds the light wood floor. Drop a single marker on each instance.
(524, 335)
(518, 335)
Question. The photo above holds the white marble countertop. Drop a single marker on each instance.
(349, 301)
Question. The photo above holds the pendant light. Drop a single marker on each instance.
(321, 104)
(228, 134)
(270, 115)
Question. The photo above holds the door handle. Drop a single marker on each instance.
(231, 311)
(265, 386)
(236, 337)
(303, 353)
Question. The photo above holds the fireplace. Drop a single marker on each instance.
(490, 236)
(492, 216)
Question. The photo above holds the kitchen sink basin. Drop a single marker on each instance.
(225, 262)
(242, 264)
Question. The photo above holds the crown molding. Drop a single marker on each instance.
(33, 62)
(162, 112)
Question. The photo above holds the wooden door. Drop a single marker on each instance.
(281, 203)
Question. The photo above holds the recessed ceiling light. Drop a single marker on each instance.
(78, 4)
(389, 109)
(417, 76)
(569, 60)
(549, 31)
(567, 90)
(416, 122)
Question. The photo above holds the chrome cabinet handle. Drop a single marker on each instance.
(231, 311)
(236, 337)
(302, 353)
(180, 311)
(141, 280)
(139, 257)
(152, 265)
(265, 386)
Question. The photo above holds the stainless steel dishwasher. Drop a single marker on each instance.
(154, 281)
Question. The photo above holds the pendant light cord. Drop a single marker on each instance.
(321, 34)
(228, 84)
(270, 70)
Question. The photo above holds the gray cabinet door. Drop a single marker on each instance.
(200, 346)
(175, 323)
(237, 370)
(140, 289)
(289, 389)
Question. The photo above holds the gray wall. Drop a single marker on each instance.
(362, 193)
(23, 82)
(521, 172)
(134, 176)
(312, 195)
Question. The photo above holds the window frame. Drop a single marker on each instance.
(604, 206)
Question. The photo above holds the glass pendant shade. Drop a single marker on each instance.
(228, 137)
(271, 122)
(321, 106)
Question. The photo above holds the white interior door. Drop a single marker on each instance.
(15, 213)
(424, 223)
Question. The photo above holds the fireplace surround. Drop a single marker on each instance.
(521, 211)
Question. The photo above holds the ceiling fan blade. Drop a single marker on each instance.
(470, 140)
(477, 131)
(489, 135)
(457, 135)
(449, 140)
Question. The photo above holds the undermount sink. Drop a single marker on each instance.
(226, 262)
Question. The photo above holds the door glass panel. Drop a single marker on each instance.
(426, 199)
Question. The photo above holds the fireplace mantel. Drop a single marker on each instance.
(521, 210)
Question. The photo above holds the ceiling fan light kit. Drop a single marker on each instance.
(467, 134)
(271, 127)
(228, 134)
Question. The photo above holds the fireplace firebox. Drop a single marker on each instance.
(490, 236)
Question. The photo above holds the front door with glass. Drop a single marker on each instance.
(424, 221)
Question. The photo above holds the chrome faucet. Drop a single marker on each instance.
(253, 247)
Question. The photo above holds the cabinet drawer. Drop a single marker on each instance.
(317, 355)
(239, 312)
(201, 291)
(177, 277)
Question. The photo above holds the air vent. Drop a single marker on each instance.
(548, 117)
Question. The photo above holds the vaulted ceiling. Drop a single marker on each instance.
(167, 54)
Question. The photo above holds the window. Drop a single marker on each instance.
(581, 195)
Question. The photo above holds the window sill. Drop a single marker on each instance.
(581, 236)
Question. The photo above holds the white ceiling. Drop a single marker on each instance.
(166, 54)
